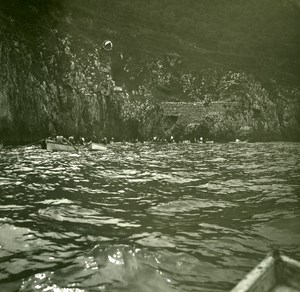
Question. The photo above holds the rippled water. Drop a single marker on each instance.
(143, 217)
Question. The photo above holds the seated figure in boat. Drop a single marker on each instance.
(104, 141)
(155, 139)
(59, 139)
(81, 141)
(71, 139)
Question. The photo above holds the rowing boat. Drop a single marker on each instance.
(237, 141)
(276, 273)
(59, 146)
(96, 147)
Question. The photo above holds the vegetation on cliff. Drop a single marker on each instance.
(57, 78)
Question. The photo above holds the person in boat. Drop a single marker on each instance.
(104, 141)
(81, 140)
(71, 139)
(112, 140)
(59, 139)
(172, 139)
(52, 138)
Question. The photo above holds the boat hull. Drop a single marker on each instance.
(55, 146)
(96, 147)
(273, 274)
(238, 142)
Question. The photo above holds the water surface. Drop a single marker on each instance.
(145, 217)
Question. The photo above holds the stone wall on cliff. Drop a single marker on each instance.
(191, 112)
(219, 120)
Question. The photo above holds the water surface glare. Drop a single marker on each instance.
(145, 217)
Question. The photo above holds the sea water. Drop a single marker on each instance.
(145, 217)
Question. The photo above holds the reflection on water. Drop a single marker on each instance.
(142, 217)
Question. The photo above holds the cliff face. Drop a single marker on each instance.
(57, 78)
(51, 84)
(253, 109)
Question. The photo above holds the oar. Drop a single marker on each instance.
(71, 144)
(34, 143)
(76, 148)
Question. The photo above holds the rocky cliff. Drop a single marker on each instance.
(52, 82)
(57, 77)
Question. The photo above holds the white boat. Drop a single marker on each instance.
(276, 273)
(96, 147)
(52, 145)
(238, 141)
